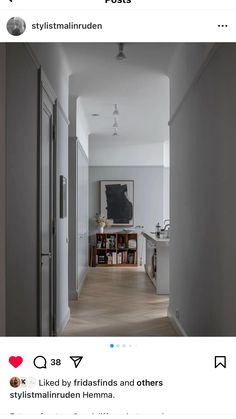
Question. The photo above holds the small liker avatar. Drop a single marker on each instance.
(15, 382)
(117, 201)
(16, 26)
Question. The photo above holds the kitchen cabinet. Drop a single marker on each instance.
(157, 262)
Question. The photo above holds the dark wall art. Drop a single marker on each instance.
(117, 201)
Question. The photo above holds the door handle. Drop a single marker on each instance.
(49, 255)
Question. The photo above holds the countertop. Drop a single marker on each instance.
(152, 237)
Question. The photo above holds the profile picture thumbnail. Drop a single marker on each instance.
(15, 382)
(16, 26)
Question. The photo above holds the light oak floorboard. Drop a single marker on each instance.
(119, 302)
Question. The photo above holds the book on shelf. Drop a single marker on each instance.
(109, 259)
(124, 257)
(114, 258)
(119, 258)
(101, 259)
(132, 244)
(131, 258)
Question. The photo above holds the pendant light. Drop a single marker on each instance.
(121, 56)
(116, 111)
(115, 125)
(115, 133)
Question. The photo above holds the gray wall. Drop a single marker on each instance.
(22, 200)
(82, 222)
(203, 191)
(52, 60)
(63, 312)
(148, 193)
(51, 57)
(22, 175)
(78, 217)
(78, 199)
(2, 187)
(73, 210)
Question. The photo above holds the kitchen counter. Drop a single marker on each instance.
(157, 262)
(155, 239)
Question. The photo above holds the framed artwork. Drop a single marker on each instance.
(117, 201)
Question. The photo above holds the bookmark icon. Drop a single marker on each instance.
(220, 361)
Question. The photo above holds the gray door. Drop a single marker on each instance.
(47, 216)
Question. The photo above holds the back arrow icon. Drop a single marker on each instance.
(77, 360)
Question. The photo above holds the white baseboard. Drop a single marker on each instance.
(176, 324)
(74, 295)
(64, 323)
(82, 282)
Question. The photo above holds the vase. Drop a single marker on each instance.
(101, 230)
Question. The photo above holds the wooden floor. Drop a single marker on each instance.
(119, 302)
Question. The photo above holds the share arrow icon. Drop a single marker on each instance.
(77, 360)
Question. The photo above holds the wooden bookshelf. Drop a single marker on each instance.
(117, 249)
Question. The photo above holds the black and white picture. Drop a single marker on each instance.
(117, 201)
(16, 26)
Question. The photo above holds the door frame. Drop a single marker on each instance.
(45, 86)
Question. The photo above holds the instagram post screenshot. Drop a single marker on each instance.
(117, 208)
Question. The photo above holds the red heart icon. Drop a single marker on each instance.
(15, 361)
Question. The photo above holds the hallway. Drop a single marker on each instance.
(171, 161)
(119, 302)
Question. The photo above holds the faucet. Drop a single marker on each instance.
(166, 229)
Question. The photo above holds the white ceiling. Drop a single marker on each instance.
(139, 85)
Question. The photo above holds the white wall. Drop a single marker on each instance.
(166, 180)
(72, 116)
(116, 153)
(166, 193)
(82, 129)
(2, 187)
(78, 123)
(203, 198)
